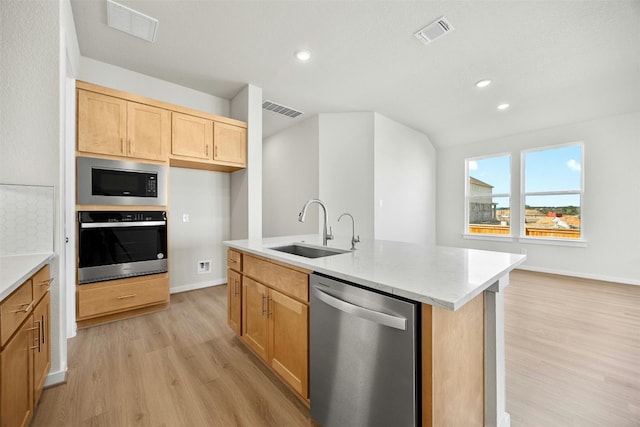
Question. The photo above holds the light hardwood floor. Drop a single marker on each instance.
(572, 352)
(572, 347)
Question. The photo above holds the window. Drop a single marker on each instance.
(488, 196)
(552, 189)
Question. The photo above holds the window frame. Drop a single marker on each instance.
(467, 197)
(581, 241)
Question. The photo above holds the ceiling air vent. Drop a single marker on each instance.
(280, 109)
(131, 21)
(434, 30)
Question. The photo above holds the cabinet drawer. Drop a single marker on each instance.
(14, 309)
(110, 298)
(40, 282)
(234, 260)
(291, 282)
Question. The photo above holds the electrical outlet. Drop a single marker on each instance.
(204, 267)
(185, 217)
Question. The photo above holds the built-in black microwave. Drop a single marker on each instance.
(114, 182)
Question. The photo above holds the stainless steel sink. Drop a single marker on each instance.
(309, 251)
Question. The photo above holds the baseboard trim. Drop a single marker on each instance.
(194, 286)
(56, 378)
(602, 278)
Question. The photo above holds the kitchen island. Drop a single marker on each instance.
(449, 283)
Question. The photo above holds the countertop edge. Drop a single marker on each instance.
(243, 245)
(26, 266)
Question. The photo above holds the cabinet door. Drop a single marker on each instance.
(255, 324)
(230, 143)
(148, 131)
(102, 123)
(234, 301)
(16, 387)
(191, 136)
(289, 338)
(42, 350)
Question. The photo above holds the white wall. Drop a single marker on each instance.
(405, 183)
(204, 197)
(201, 194)
(289, 179)
(35, 40)
(610, 208)
(346, 171)
(351, 161)
(114, 77)
(246, 184)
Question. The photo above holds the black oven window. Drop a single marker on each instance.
(104, 246)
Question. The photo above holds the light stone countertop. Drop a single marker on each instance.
(15, 269)
(435, 275)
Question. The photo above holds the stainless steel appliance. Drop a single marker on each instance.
(115, 245)
(364, 356)
(113, 182)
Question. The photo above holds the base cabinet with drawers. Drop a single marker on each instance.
(274, 315)
(104, 302)
(25, 358)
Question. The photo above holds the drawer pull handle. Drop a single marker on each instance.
(45, 282)
(28, 307)
(127, 296)
(232, 260)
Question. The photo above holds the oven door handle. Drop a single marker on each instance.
(122, 224)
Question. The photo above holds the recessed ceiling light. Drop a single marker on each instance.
(503, 107)
(303, 55)
(483, 83)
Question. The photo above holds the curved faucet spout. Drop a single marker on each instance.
(354, 239)
(303, 213)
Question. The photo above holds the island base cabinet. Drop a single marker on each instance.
(276, 328)
(289, 341)
(453, 365)
(255, 325)
(16, 391)
(234, 298)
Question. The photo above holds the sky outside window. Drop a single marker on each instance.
(557, 169)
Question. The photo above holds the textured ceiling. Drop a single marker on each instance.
(555, 62)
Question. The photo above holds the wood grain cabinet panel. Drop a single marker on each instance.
(41, 282)
(113, 126)
(14, 310)
(289, 340)
(148, 131)
(16, 372)
(230, 143)
(191, 136)
(103, 298)
(275, 315)
(102, 123)
(255, 325)
(41, 345)
(234, 311)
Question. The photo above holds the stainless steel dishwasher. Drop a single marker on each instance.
(364, 356)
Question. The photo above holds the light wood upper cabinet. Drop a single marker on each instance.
(148, 131)
(102, 123)
(230, 143)
(191, 136)
(113, 126)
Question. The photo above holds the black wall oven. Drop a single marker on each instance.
(117, 244)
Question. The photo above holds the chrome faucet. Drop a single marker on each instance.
(325, 236)
(354, 239)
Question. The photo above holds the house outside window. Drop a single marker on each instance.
(488, 196)
(552, 192)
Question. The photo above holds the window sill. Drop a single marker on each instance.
(576, 243)
(490, 237)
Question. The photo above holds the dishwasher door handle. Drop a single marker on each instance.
(363, 313)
